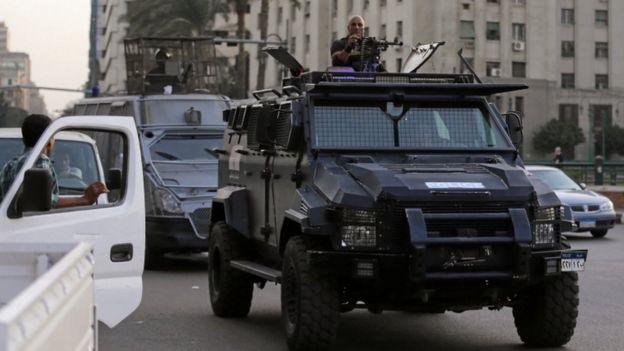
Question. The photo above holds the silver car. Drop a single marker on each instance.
(590, 211)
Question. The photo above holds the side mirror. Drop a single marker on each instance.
(114, 179)
(514, 128)
(36, 192)
(583, 186)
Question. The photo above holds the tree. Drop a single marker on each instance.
(557, 133)
(173, 18)
(614, 140)
(10, 117)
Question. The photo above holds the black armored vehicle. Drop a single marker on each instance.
(387, 191)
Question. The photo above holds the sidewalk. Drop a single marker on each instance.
(615, 193)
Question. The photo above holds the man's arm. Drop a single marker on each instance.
(90, 196)
(339, 53)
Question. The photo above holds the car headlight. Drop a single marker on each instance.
(607, 206)
(167, 201)
(358, 228)
(545, 227)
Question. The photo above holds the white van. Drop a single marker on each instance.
(115, 225)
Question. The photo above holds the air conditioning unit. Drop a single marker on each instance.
(517, 45)
(495, 72)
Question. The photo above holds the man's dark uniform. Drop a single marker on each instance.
(355, 56)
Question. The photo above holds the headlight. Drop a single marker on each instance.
(607, 206)
(167, 201)
(358, 228)
(544, 233)
(545, 228)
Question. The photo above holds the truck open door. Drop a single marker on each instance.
(115, 225)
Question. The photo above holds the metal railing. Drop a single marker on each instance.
(585, 172)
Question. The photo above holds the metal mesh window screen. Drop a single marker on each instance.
(353, 127)
(445, 127)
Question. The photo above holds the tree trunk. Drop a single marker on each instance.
(264, 24)
(241, 64)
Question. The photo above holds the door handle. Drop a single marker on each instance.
(121, 253)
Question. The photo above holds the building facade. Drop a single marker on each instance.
(111, 31)
(565, 50)
(15, 81)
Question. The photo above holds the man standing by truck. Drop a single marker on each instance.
(32, 128)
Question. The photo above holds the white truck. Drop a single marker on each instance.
(47, 297)
(114, 227)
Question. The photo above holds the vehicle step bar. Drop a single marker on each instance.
(258, 270)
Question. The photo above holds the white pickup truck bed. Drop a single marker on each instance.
(47, 297)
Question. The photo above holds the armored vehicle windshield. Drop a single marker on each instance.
(383, 126)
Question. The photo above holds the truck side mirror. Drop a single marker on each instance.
(514, 128)
(114, 179)
(36, 191)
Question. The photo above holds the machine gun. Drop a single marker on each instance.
(370, 49)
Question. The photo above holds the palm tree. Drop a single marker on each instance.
(173, 18)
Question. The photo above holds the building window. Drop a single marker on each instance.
(293, 11)
(366, 3)
(492, 31)
(349, 6)
(293, 45)
(382, 3)
(307, 43)
(399, 29)
(279, 14)
(493, 1)
(602, 18)
(466, 6)
(602, 81)
(334, 8)
(467, 30)
(567, 49)
(518, 69)
(567, 16)
(518, 31)
(382, 31)
(519, 2)
(569, 113)
(306, 11)
(493, 69)
(567, 80)
(399, 64)
(366, 31)
(602, 49)
(334, 36)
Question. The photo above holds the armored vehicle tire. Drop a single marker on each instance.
(230, 289)
(310, 303)
(546, 315)
(599, 233)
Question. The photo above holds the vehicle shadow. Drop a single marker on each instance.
(181, 263)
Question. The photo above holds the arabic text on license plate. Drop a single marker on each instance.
(587, 224)
(573, 261)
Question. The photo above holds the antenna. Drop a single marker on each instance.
(465, 62)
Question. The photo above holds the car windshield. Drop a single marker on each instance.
(171, 112)
(556, 180)
(416, 126)
(177, 147)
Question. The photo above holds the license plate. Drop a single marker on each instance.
(587, 224)
(573, 261)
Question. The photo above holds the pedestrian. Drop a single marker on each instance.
(32, 129)
(558, 156)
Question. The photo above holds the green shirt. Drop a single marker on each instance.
(11, 168)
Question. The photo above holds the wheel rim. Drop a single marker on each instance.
(291, 287)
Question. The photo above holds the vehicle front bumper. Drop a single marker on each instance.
(597, 220)
(169, 234)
